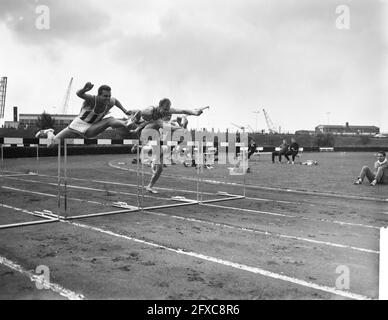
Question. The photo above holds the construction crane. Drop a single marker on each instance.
(243, 128)
(237, 126)
(65, 103)
(270, 125)
(250, 128)
(3, 94)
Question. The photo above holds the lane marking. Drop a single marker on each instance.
(168, 189)
(38, 279)
(296, 217)
(26, 211)
(14, 175)
(267, 233)
(174, 190)
(315, 193)
(217, 206)
(48, 194)
(239, 266)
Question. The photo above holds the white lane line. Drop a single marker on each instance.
(168, 189)
(255, 270)
(48, 194)
(351, 224)
(235, 227)
(14, 175)
(266, 233)
(189, 191)
(240, 266)
(296, 217)
(146, 196)
(26, 211)
(221, 207)
(90, 189)
(39, 279)
(217, 182)
(251, 210)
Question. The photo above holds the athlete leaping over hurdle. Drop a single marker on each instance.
(157, 117)
(91, 122)
(160, 118)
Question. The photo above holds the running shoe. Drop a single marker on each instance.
(151, 190)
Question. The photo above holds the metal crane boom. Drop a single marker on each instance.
(65, 104)
(270, 125)
(3, 95)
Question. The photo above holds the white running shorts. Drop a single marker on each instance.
(79, 125)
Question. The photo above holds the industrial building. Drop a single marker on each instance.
(347, 129)
(61, 121)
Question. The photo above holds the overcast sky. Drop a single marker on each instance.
(236, 56)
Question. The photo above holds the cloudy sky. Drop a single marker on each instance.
(237, 56)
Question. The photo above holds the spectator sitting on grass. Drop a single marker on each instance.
(379, 176)
(283, 149)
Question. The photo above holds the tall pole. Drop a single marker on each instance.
(59, 179)
(65, 175)
(257, 119)
(2, 159)
(328, 118)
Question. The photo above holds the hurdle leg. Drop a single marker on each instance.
(201, 184)
(196, 157)
(2, 159)
(245, 158)
(199, 162)
(142, 182)
(59, 181)
(244, 182)
(138, 176)
(37, 159)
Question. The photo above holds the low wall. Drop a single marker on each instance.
(30, 152)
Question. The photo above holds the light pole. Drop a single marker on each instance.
(328, 118)
(257, 116)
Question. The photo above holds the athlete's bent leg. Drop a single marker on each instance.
(64, 134)
(156, 172)
(104, 124)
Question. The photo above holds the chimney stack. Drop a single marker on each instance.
(15, 114)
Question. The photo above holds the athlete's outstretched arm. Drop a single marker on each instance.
(120, 106)
(82, 92)
(195, 112)
(140, 127)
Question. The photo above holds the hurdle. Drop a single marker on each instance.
(140, 185)
(62, 181)
(5, 143)
(74, 142)
(18, 143)
(181, 202)
(203, 162)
